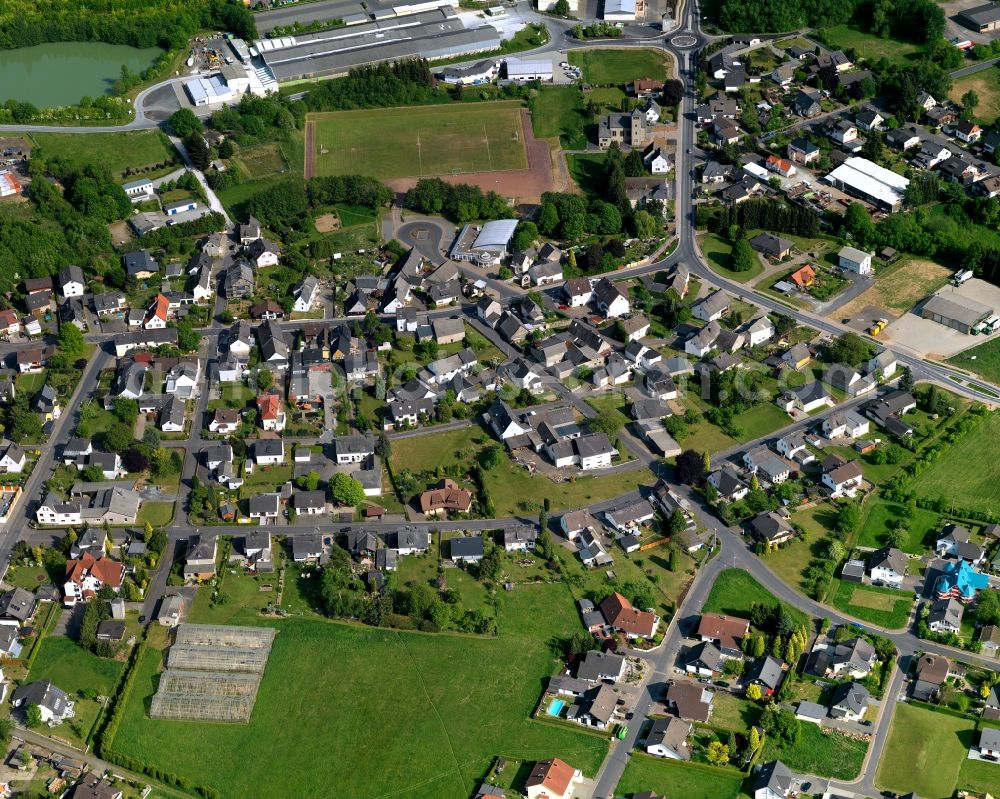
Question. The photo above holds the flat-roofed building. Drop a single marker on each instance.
(870, 182)
(955, 311)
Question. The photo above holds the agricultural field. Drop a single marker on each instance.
(735, 591)
(925, 752)
(420, 141)
(673, 778)
(116, 151)
(821, 753)
(617, 66)
(886, 607)
(983, 359)
(962, 474)
(899, 287)
(987, 85)
(443, 693)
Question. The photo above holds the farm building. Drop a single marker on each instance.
(955, 311)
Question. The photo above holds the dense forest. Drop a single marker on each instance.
(920, 21)
(140, 23)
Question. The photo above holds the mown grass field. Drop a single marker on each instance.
(673, 778)
(735, 591)
(870, 46)
(925, 752)
(557, 112)
(420, 141)
(719, 254)
(351, 711)
(116, 151)
(983, 359)
(826, 755)
(963, 474)
(923, 523)
(614, 66)
(885, 607)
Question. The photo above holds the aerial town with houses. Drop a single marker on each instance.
(550, 399)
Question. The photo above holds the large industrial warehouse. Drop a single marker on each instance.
(955, 311)
(870, 182)
(429, 34)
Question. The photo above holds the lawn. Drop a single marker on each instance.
(157, 514)
(718, 253)
(986, 84)
(74, 669)
(872, 47)
(735, 591)
(588, 172)
(116, 151)
(449, 446)
(983, 359)
(373, 685)
(420, 141)
(262, 160)
(791, 559)
(923, 523)
(823, 754)
(614, 67)
(885, 607)
(673, 778)
(763, 418)
(899, 287)
(730, 712)
(925, 752)
(978, 775)
(963, 474)
(29, 382)
(557, 111)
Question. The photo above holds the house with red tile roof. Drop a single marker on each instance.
(620, 615)
(552, 779)
(87, 575)
(156, 318)
(271, 410)
(446, 496)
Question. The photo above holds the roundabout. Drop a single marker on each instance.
(684, 41)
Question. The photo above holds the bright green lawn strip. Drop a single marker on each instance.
(335, 679)
(823, 754)
(964, 474)
(617, 66)
(925, 752)
(420, 140)
(846, 595)
(718, 253)
(673, 778)
(983, 359)
(735, 591)
(116, 151)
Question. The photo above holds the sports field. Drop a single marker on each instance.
(422, 141)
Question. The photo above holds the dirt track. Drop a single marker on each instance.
(524, 185)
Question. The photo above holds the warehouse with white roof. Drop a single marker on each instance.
(619, 10)
(485, 245)
(870, 182)
(528, 69)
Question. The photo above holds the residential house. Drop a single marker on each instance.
(844, 479)
(305, 294)
(577, 291)
(726, 632)
(17, 605)
(238, 281)
(668, 738)
(771, 527)
(690, 701)
(711, 308)
(771, 245)
(802, 151)
(54, 704)
(12, 459)
(758, 331)
(610, 299)
(887, 566)
(269, 451)
(959, 580)
(807, 104)
(765, 672)
(271, 412)
(86, 575)
(264, 507)
(989, 743)
(445, 497)
(883, 365)
(929, 674)
(852, 659)
(869, 120)
(849, 701)
(945, 616)
(951, 538)
(854, 260)
(704, 660)
(780, 166)
(71, 281)
(466, 549)
(140, 264)
(263, 253)
(728, 484)
(225, 421)
(552, 779)
(519, 539)
(200, 558)
(620, 615)
(309, 503)
(845, 424)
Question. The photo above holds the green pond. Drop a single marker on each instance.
(61, 73)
